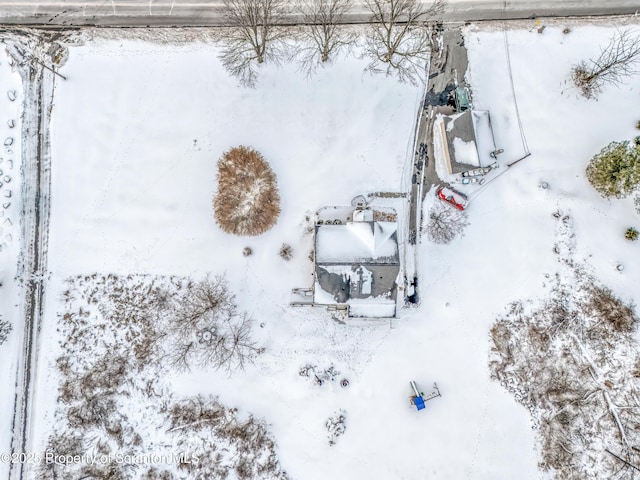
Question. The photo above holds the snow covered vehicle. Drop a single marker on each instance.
(467, 180)
(452, 197)
(471, 176)
(480, 171)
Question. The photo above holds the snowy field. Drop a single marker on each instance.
(136, 134)
(137, 130)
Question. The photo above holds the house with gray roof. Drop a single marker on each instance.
(357, 260)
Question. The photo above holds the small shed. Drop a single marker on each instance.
(464, 140)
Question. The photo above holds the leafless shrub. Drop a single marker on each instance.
(398, 41)
(196, 413)
(323, 36)
(617, 61)
(336, 426)
(5, 330)
(319, 376)
(254, 37)
(286, 252)
(254, 457)
(247, 201)
(106, 376)
(445, 223)
(110, 471)
(126, 308)
(91, 412)
(309, 224)
(67, 443)
(154, 473)
(207, 330)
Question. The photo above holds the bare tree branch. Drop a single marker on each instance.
(445, 223)
(399, 40)
(206, 329)
(322, 37)
(254, 37)
(617, 61)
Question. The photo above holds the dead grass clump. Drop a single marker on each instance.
(606, 306)
(156, 474)
(247, 201)
(385, 216)
(195, 413)
(67, 443)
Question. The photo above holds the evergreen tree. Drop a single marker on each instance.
(615, 171)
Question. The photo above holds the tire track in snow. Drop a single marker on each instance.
(38, 85)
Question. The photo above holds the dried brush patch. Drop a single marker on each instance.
(572, 360)
(118, 344)
(247, 201)
(5, 330)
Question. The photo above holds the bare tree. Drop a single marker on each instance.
(445, 223)
(323, 37)
(254, 37)
(617, 60)
(399, 40)
(207, 329)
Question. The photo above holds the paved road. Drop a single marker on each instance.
(209, 12)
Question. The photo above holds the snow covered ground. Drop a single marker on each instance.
(136, 134)
(10, 196)
(137, 130)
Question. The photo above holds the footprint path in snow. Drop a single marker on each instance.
(6, 176)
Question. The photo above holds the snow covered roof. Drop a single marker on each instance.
(357, 264)
(369, 291)
(484, 136)
(372, 310)
(463, 138)
(358, 242)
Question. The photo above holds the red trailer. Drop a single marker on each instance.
(453, 197)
